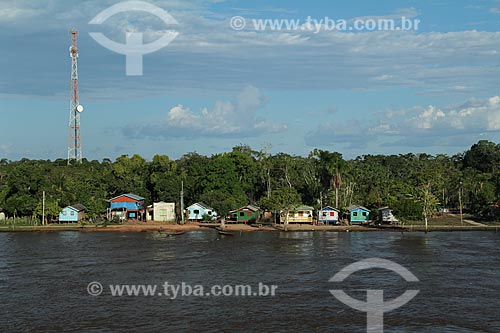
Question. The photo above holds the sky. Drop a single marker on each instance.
(434, 89)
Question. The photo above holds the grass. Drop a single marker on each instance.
(444, 220)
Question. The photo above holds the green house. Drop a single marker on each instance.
(358, 214)
(245, 214)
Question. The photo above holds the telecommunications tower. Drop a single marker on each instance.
(75, 109)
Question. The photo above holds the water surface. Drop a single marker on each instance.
(44, 277)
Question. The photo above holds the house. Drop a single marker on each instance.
(328, 215)
(385, 216)
(2, 215)
(196, 211)
(161, 211)
(358, 214)
(73, 213)
(299, 214)
(245, 214)
(127, 207)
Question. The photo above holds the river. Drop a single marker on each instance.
(44, 281)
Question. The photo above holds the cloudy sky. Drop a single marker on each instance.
(435, 89)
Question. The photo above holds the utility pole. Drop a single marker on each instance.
(320, 205)
(182, 202)
(43, 208)
(460, 203)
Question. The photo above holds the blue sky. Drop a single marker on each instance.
(432, 90)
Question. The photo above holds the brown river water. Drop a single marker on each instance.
(44, 280)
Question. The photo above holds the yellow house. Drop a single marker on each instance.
(299, 214)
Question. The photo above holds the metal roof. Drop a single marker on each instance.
(303, 207)
(357, 207)
(78, 207)
(202, 205)
(130, 195)
(249, 207)
(330, 208)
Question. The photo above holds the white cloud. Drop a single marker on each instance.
(237, 118)
(444, 63)
(417, 126)
(20, 10)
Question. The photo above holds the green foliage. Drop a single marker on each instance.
(411, 184)
(207, 218)
(52, 210)
(282, 198)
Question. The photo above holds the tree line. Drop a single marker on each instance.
(411, 184)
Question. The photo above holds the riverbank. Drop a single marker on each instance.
(171, 227)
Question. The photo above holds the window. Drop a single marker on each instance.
(209, 212)
(72, 213)
(332, 213)
(196, 211)
(249, 213)
(301, 213)
(355, 214)
(324, 213)
(65, 213)
(364, 213)
(242, 213)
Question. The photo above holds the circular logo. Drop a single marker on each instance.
(94, 288)
(238, 22)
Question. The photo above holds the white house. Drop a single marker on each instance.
(386, 217)
(197, 210)
(161, 211)
(328, 215)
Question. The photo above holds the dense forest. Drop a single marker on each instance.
(411, 184)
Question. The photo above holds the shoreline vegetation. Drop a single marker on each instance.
(414, 187)
(196, 226)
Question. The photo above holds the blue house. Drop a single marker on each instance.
(328, 215)
(196, 211)
(73, 213)
(358, 214)
(127, 207)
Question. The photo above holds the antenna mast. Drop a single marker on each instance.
(75, 109)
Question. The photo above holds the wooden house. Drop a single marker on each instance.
(127, 207)
(299, 214)
(385, 216)
(358, 214)
(73, 213)
(196, 211)
(328, 215)
(245, 214)
(161, 211)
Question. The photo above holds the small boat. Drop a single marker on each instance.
(160, 233)
(225, 233)
(177, 233)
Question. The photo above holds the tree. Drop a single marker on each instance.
(330, 167)
(163, 180)
(483, 156)
(248, 170)
(52, 210)
(428, 200)
(282, 198)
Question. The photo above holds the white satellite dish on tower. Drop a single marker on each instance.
(79, 108)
